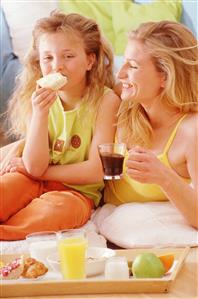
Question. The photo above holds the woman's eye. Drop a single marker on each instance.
(133, 66)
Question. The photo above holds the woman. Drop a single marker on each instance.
(158, 119)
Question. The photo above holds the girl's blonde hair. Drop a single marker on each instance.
(101, 74)
(173, 49)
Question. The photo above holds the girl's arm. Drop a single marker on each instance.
(90, 171)
(36, 151)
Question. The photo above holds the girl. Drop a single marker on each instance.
(158, 119)
(59, 178)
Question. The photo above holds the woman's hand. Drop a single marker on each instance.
(144, 167)
(42, 99)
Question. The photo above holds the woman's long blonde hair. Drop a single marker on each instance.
(174, 51)
(101, 74)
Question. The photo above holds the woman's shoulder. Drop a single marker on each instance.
(190, 120)
(190, 125)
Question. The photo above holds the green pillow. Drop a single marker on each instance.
(127, 15)
(98, 10)
(117, 17)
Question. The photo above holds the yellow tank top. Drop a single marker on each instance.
(129, 190)
(70, 135)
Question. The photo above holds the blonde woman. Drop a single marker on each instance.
(59, 178)
(158, 119)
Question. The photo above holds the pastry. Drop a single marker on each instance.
(54, 81)
(12, 270)
(33, 268)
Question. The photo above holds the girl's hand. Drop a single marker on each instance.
(42, 99)
(15, 165)
(8, 152)
(144, 167)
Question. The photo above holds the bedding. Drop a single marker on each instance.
(131, 225)
(21, 246)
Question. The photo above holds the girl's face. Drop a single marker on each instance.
(141, 82)
(64, 53)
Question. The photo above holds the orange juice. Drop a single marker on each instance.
(72, 257)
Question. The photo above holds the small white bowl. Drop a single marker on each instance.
(95, 260)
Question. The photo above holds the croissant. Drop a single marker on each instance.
(33, 268)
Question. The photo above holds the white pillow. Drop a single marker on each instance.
(21, 17)
(141, 225)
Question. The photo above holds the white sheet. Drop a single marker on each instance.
(94, 239)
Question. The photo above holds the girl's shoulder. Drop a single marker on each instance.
(109, 104)
(111, 97)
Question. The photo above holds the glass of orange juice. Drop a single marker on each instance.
(72, 246)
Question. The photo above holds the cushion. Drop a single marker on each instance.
(97, 10)
(22, 22)
(117, 17)
(9, 65)
(144, 225)
(127, 15)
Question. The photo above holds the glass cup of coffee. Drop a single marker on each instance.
(112, 157)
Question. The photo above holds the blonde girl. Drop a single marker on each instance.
(59, 178)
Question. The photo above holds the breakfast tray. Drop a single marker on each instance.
(97, 285)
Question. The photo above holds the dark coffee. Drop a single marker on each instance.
(112, 163)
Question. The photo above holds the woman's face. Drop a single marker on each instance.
(141, 82)
(64, 53)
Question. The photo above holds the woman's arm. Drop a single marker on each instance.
(183, 195)
(145, 167)
(36, 151)
(90, 171)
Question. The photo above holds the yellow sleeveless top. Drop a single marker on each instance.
(129, 190)
(70, 135)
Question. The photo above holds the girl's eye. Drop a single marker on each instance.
(68, 56)
(46, 58)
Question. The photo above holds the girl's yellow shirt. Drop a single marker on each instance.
(70, 134)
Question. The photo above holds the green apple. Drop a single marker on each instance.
(147, 265)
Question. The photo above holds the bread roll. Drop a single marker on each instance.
(54, 81)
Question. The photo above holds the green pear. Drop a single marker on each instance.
(147, 265)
